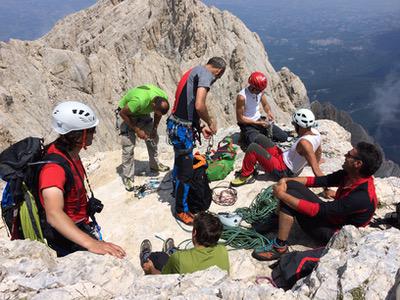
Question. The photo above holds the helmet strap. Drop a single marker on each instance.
(83, 144)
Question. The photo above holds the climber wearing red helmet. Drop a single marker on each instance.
(248, 116)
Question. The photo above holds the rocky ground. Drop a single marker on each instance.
(358, 264)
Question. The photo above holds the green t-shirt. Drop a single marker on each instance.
(196, 259)
(139, 99)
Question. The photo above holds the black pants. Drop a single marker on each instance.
(250, 133)
(63, 246)
(159, 259)
(317, 228)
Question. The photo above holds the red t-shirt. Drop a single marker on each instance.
(53, 175)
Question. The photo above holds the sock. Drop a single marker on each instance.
(280, 243)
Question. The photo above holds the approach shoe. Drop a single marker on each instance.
(270, 252)
(160, 168)
(145, 251)
(241, 180)
(169, 246)
(185, 217)
(129, 186)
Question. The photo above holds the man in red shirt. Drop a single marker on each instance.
(62, 190)
(354, 203)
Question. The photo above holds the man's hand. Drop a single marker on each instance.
(148, 268)
(279, 188)
(101, 247)
(213, 127)
(329, 194)
(207, 133)
(270, 116)
(141, 134)
(262, 123)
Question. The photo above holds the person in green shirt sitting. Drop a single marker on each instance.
(135, 108)
(207, 230)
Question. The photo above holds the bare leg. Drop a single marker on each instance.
(285, 225)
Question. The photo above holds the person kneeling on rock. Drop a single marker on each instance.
(354, 203)
(62, 189)
(207, 230)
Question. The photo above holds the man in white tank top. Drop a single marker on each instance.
(248, 115)
(307, 149)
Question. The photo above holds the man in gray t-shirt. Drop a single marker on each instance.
(184, 124)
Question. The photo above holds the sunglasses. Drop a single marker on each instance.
(348, 155)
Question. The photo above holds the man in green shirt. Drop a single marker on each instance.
(135, 108)
(207, 230)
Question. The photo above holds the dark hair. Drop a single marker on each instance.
(217, 62)
(161, 104)
(67, 142)
(371, 157)
(208, 229)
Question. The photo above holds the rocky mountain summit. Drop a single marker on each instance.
(357, 264)
(97, 54)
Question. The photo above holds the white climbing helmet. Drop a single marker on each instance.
(304, 118)
(72, 115)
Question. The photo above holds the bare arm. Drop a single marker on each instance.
(304, 148)
(267, 108)
(240, 103)
(200, 105)
(126, 115)
(55, 215)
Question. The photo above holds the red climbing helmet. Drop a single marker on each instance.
(258, 80)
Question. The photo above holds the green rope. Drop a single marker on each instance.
(262, 206)
(244, 238)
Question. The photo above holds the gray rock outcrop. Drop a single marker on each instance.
(95, 55)
(358, 133)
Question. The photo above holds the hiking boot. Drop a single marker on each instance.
(160, 168)
(129, 185)
(145, 251)
(241, 180)
(185, 217)
(169, 246)
(272, 251)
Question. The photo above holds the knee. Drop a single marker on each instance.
(264, 141)
(256, 148)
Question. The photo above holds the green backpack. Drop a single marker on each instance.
(220, 164)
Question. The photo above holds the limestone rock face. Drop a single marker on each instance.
(97, 54)
(358, 264)
(295, 88)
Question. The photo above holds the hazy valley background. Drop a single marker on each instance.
(346, 52)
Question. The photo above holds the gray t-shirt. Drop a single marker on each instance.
(184, 107)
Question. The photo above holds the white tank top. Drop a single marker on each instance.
(293, 160)
(251, 103)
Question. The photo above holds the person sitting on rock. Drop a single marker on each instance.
(66, 204)
(135, 108)
(248, 116)
(354, 203)
(307, 149)
(207, 230)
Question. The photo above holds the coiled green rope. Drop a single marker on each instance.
(262, 206)
(247, 238)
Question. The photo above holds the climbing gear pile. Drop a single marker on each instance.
(224, 195)
(149, 187)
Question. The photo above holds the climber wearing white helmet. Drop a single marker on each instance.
(62, 189)
(307, 149)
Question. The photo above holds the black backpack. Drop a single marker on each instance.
(294, 266)
(20, 165)
(200, 194)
